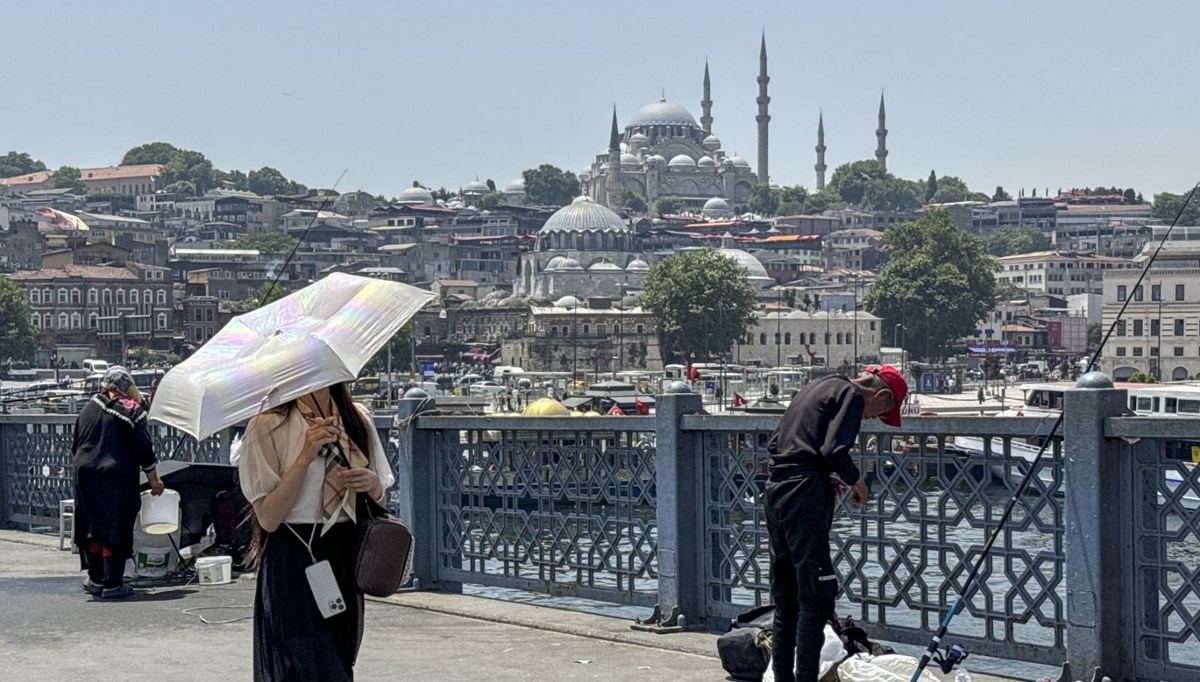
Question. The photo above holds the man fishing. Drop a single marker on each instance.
(810, 466)
(111, 445)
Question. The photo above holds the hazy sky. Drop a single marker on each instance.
(1020, 94)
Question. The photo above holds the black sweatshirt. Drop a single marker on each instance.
(817, 431)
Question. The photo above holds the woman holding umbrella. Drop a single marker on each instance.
(307, 468)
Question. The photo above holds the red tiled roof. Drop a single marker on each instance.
(27, 179)
(119, 172)
(76, 272)
(790, 238)
(457, 283)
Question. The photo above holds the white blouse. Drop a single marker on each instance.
(271, 444)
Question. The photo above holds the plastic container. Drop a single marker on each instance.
(214, 570)
(160, 514)
(153, 555)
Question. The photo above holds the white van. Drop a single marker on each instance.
(95, 366)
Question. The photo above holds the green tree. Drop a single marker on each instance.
(440, 194)
(819, 202)
(633, 201)
(1011, 240)
(67, 177)
(269, 292)
(702, 301)
(850, 180)
(790, 208)
(793, 193)
(548, 185)
(151, 152)
(1095, 334)
(668, 205)
(182, 188)
(938, 282)
(1166, 207)
(190, 166)
(491, 185)
(764, 201)
(234, 179)
(267, 181)
(18, 340)
(892, 194)
(1001, 195)
(493, 199)
(931, 187)
(1130, 195)
(264, 242)
(19, 163)
(951, 189)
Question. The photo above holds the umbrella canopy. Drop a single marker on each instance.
(315, 337)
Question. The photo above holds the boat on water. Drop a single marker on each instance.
(1174, 399)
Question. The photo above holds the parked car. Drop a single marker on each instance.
(487, 388)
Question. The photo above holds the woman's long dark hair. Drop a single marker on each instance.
(357, 430)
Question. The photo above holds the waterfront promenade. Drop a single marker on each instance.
(50, 630)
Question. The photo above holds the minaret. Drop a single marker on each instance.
(614, 164)
(763, 118)
(881, 135)
(820, 167)
(706, 103)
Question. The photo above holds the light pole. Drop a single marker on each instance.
(778, 330)
(857, 281)
(574, 341)
(620, 359)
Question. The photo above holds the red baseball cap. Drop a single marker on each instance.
(895, 381)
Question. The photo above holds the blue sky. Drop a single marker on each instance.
(1020, 94)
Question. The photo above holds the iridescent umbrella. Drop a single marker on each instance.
(315, 337)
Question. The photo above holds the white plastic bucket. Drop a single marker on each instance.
(214, 570)
(153, 555)
(160, 514)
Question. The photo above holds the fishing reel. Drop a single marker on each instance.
(950, 657)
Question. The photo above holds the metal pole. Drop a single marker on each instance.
(620, 331)
(574, 342)
(1158, 350)
(778, 331)
(857, 279)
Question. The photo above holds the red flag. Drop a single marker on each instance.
(616, 411)
(641, 407)
(693, 374)
(738, 400)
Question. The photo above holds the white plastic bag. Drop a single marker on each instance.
(887, 668)
(832, 651)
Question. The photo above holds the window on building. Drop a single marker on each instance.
(35, 296)
(1137, 294)
(37, 321)
(1178, 327)
(47, 321)
(1155, 328)
(1156, 292)
(587, 328)
(554, 331)
(62, 295)
(91, 295)
(162, 320)
(1178, 351)
(787, 339)
(63, 321)
(106, 296)
(209, 314)
(162, 296)
(76, 321)
(1138, 328)
(1137, 351)
(1120, 327)
(1154, 350)
(828, 337)
(1178, 292)
(47, 297)
(762, 339)
(120, 297)
(872, 326)
(1121, 293)
(93, 321)
(76, 296)
(133, 297)
(641, 329)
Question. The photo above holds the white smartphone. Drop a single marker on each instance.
(324, 588)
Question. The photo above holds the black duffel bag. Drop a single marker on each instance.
(745, 650)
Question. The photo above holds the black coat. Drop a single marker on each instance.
(112, 445)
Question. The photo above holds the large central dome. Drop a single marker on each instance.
(662, 113)
(584, 215)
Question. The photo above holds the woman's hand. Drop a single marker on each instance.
(321, 433)
(362, 480)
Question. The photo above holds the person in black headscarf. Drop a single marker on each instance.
(112, 445)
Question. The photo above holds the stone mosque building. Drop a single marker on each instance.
(664, 151)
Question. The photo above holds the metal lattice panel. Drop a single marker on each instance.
(903, 558)
(38, 464)
(1166, 549)
(564, 512)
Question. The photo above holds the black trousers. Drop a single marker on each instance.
(799, 513)
(292, 642)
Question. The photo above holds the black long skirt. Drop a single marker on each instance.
(291, 639)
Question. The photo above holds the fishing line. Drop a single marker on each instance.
(953, 655)
(316, 215)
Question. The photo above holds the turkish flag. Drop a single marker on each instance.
(693, 374)
(641, 407)
(738, 400)
(616, 411)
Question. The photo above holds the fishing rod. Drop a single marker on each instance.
(292, 253)
(953, 655)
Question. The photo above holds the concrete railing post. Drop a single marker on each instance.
(414, 498)
(1098, 552)
(5, 482)
(679, 474)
